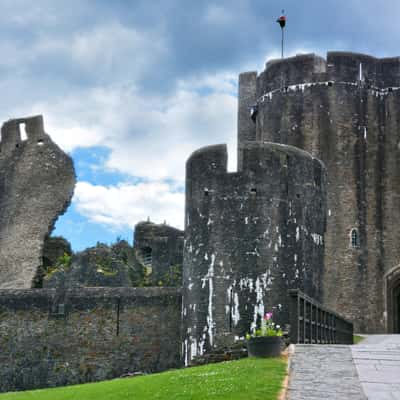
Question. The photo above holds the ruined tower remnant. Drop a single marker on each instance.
(37, 180)
(159, 247)
(250, 236)
(345, 111)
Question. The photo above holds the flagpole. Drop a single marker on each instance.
(282, 22)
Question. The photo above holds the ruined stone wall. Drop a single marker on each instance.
(249, 237)
(99, 266)
(37, 180)
(345, 111)
(52, 338)
(160, 248)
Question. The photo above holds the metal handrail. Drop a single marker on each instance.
(312, 323)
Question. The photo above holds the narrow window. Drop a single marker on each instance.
(147, 256)
(355, 240)
(22, 128)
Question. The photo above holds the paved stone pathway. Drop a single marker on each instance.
(377, 359)
(323, 372)
(367, 371)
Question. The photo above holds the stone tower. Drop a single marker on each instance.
(250, 236)
(37, 180)
(345, 111)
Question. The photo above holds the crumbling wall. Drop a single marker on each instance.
(98, 266)
(249, 237)
(345, 111)
(37, 180)
(51, 338)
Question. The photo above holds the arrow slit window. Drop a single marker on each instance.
(354, 238)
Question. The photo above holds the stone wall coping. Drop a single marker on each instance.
(91, 292)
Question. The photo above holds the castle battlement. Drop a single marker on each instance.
(264, 167)
(338, 67)
(289, 71)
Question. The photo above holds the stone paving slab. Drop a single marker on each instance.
(370, 370)
(323, 372)
(377, 360)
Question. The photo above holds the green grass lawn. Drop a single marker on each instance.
(357, 339)
(249, 378)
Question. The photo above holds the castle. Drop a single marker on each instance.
(345, 112)
(313, 205)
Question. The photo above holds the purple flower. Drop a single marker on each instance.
(268, 316)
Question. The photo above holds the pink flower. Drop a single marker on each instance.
(268, 316)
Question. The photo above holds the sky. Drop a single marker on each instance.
(131, 88)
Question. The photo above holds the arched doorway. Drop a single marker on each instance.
(392, 294)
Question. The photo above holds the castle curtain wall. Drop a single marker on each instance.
(52, 338)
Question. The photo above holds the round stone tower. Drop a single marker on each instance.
(250, 236)
(345, 111)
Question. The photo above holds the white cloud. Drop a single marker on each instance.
(149, 137)
(222, 82)
(122, 206)
(107, 52)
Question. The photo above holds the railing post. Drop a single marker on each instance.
(293, 316)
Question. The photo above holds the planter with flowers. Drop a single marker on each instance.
(266, 341)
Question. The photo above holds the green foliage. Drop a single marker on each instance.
(357, 339)
(64, 261)
(173, 277)
(62, 264)
(268, 328)
(250, 379)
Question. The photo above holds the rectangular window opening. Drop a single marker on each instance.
(22, 129)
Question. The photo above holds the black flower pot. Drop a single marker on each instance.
(264, 346)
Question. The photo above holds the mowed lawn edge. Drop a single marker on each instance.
(249, 378)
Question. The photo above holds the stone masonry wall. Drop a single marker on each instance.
(52, 338)
(247, 98)
(37, 181)
(249, 237)
(163, 245)
(345, 111)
